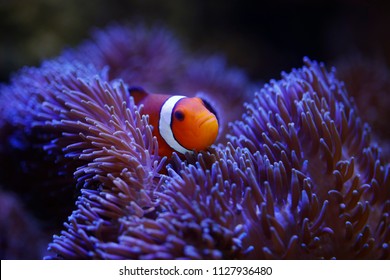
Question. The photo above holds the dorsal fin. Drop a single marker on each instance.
(138, 93)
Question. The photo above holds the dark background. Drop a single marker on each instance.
(261, 37)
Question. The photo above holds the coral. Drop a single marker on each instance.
(297, 177)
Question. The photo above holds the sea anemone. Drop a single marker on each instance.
(34, 164)
(154, 59)
(296, 177)
(329, 186)
(151, 57)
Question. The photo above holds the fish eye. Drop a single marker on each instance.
(179, 115)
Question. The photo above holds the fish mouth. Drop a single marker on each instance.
(202, 134)
(206, 120)
(208, 130)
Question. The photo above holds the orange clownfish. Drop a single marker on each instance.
(181, 124)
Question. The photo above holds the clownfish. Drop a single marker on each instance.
(181, 124)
